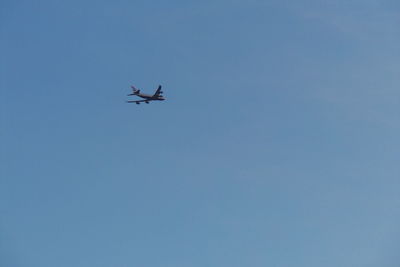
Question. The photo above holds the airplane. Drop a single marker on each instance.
(147, 98)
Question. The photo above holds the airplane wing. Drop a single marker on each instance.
(158, 92)
(139, 101)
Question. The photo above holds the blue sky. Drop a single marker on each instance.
(278, 144)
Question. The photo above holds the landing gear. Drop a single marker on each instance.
(137, 103)
(146, 102)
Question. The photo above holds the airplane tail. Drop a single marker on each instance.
(134, 91)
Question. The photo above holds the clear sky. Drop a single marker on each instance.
(278, 144)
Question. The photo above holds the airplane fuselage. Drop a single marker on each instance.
(151, 97)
